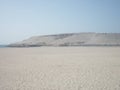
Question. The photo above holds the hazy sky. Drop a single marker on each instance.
(20, 19)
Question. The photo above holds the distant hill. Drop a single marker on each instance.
(71, 39)
(3, 46)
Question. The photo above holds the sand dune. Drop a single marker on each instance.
(60, 68)
(73, 39)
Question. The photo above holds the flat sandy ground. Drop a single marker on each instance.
(60, 68)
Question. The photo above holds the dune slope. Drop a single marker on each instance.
(73, 39)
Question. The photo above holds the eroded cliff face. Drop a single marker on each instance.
(71, 39)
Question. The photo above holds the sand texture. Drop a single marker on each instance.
(60, 68)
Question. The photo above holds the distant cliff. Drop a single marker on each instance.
(71, 39)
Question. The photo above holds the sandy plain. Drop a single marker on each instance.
(60, 68)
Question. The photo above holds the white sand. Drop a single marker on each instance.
(60, 68)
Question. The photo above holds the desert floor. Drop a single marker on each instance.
(60, 68)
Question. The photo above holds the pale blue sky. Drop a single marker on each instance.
(20, 19)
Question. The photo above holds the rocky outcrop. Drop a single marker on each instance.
(72, 39)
